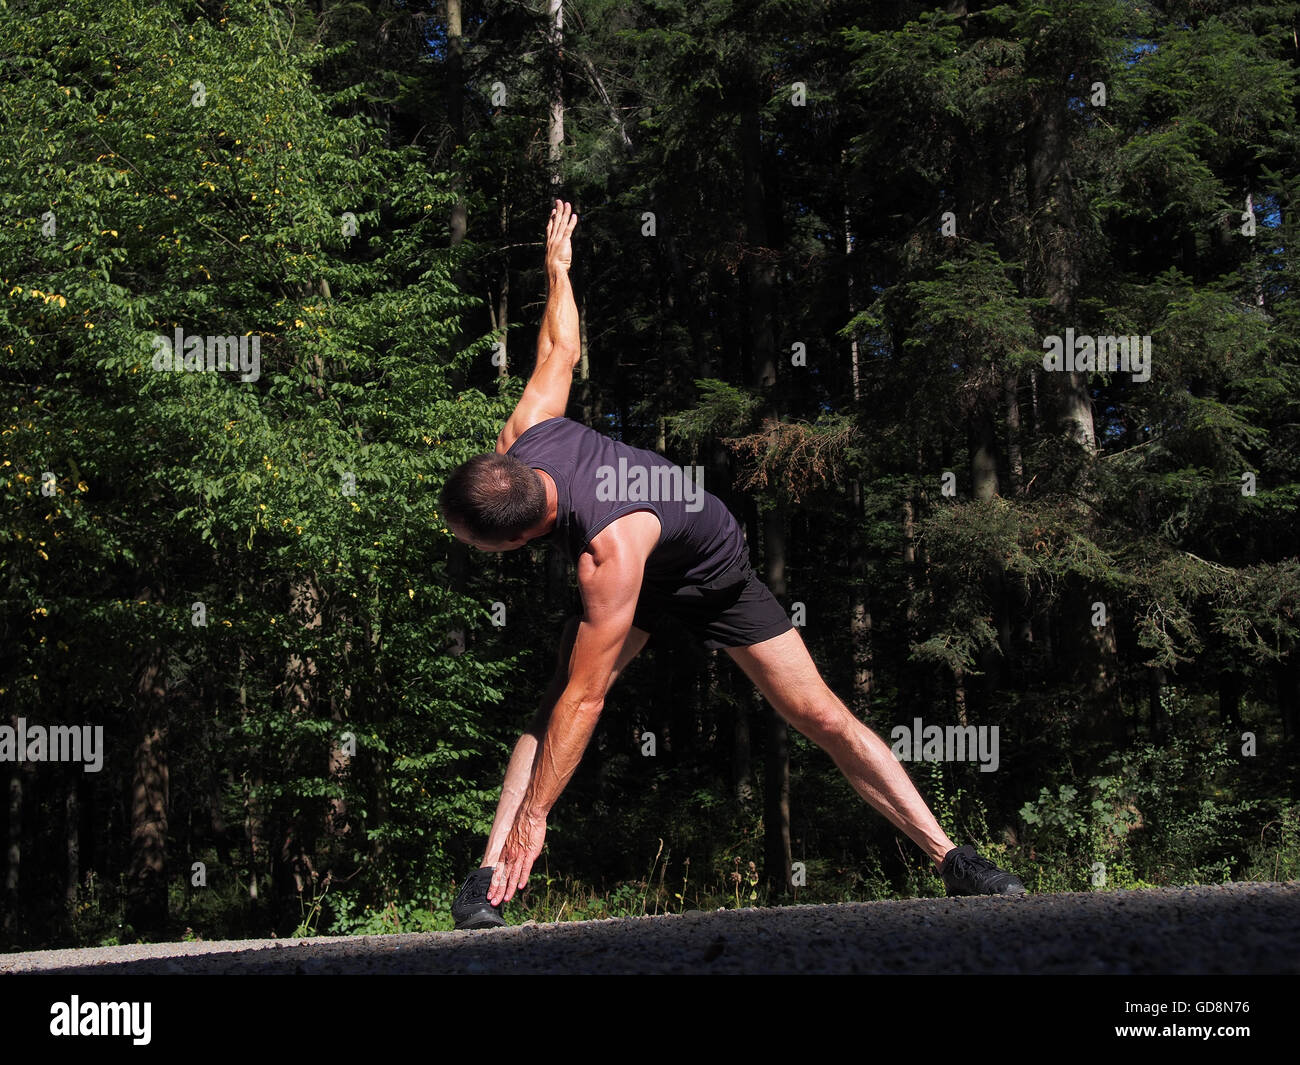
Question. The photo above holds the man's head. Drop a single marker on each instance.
(492, 501)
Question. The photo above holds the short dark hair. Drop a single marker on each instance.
(494, 497)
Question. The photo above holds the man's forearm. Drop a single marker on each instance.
(559, 331)
(567, 734)
(518, 774)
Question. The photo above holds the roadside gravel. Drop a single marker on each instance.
(1229, 928)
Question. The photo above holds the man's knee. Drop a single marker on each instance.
(820, 716)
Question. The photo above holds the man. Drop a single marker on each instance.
(642, 557)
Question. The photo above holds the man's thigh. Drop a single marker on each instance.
(783, 670)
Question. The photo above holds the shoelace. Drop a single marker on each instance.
(965, 866)
(476, 890)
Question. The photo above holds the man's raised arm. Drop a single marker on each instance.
(558, 346)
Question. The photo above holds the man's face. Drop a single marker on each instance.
(485, 545)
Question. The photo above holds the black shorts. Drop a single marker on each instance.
(733, 610)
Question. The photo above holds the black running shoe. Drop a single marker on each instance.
(965, 873)
(471, 908)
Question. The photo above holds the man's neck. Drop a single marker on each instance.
(552, 506)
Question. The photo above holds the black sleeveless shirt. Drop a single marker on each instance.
(598, 479)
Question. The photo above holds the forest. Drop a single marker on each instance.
(980, 317)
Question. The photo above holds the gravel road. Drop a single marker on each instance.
(1224, 929)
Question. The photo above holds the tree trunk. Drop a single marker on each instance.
(14, 848)
(71, 837)
(459, 221)
(860, 613)
(776, 805)
(1091, 651)
(501, 310)
(1051, 203)
(984, 454)
(301, 693)
(859, 607)
(760, 284)
(1011, 405)
(457, 552)
(555, 129)
(146, 898)
(1155, 709)
(742, 772)
(585, 410)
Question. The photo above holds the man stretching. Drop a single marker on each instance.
(640, 561)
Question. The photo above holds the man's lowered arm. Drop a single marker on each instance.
(610, 579)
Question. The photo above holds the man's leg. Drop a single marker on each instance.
(521, 761)
(784, 672)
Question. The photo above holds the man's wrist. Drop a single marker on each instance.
(530, 818)
(531, 810)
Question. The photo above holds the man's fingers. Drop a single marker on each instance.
(504, 881)
(501, 885)
(516, 883)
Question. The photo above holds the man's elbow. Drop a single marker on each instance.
(589, 706)
(566, 354)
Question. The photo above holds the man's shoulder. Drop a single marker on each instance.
(540, 428)
(634, 535)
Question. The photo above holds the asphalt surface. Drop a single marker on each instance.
(1224, 929)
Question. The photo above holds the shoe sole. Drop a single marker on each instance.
(479, 923)
(483, 917)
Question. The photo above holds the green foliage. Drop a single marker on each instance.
(203, 187)
(1276, 857)
(1146, 820)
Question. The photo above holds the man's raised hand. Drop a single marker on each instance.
(559, 249)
